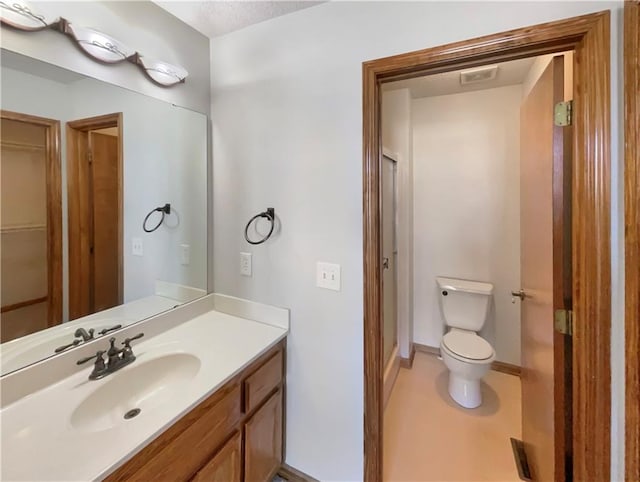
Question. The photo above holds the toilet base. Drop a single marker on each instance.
(466, 393)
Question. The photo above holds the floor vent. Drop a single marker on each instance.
(520, 457)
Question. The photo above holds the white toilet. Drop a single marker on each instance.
(467, 355)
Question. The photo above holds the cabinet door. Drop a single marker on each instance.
(225, 466)
(263, 441)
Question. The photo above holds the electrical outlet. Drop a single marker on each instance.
(136, 247)
(185, 254)
(245, 264)
(328, 276)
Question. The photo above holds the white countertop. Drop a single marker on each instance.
(39, 442)
(37, 346)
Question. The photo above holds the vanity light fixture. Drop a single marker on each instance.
(162, 72)
(100, 46)
(21, 15)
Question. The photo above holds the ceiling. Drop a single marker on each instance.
(215, 18)
(509, 73)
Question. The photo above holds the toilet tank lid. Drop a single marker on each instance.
(467, 286)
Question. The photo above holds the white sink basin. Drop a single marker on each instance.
(143, 385)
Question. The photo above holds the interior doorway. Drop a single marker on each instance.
(94, 170)
(588, 37)
(31, 224)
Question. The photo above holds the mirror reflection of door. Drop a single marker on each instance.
(30, 225)
(95, 214)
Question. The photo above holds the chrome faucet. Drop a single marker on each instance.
(117, 358)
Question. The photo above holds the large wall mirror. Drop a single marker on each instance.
(103, 209)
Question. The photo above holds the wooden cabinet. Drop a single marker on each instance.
(263, 441)
(245, 416)
(226, 466)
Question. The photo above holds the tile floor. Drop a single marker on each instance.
(428, 437)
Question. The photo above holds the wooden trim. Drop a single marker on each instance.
(632, 236)
(391, 375)
(54, 210)
(508, 368)
(292, 474)
(78, 270)
(589, 36)
(408, 362)
(431, 350)
(497, 366)
(22, 304)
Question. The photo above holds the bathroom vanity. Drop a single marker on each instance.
(203, 400)
(207, 443)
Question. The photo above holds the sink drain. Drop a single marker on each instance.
(132, 413)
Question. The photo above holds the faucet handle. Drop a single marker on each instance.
(107, 330)
(97, 356)
(127, 341)
(62, 348)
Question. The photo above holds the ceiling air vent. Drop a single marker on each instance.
(481, 74)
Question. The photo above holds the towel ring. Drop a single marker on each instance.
(166, 209)
(270, 214)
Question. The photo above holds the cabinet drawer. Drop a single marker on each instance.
(178, 456)
(226, 465)
(258, 385)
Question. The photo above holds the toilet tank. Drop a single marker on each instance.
(465, 303)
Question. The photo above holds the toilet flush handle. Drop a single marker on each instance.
(517, 294)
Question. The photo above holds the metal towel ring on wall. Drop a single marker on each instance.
(166, 209)
(270, 214)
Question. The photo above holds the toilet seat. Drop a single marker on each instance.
(467, 346)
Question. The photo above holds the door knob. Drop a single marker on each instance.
(385, 263)
(517, 294)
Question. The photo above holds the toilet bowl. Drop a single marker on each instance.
(466, 354)
(468, 358)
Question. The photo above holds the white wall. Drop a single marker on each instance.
(466, 154)
(142, 26)
(165, 160)
(287, 132)
(396, 137)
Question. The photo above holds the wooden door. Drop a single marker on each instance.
(263, 441)
(389, 253)
(225, 466)
(94, 183)
(104, 188)
(31, 224)
(545, 274)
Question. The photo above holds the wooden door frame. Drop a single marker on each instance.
(54, 210)
(77, 213)
(632, 235)
(589, 37)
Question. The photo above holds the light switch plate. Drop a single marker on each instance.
(245, 264)
(185, 254)
(136, 247)
(328, 276)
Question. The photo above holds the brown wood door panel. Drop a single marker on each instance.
(31, 222)
(226, 465)
(94, 194)
(105, 190)
(263, 441)
(544, 251)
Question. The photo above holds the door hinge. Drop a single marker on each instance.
(563, 113)
(563, 322)
(89, 157)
